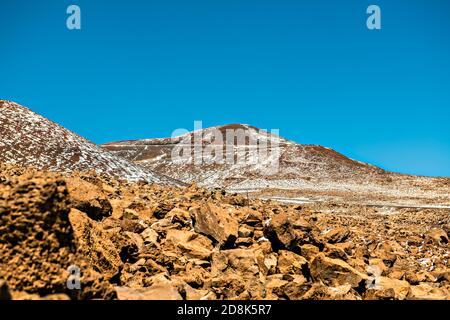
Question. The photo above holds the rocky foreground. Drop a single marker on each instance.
(144, 241)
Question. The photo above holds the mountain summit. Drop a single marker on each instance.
(301, 170)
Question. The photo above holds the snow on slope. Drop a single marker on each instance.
(295, 161)
(29, 139)
(305, 168)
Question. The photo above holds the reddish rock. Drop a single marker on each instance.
(216, 222)
(335, 272)
(291, 263)
(162, 291)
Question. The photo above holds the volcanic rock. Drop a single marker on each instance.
(161, 291)
(291, 263)
(37, 245)
(89, 198)
(387, 288)
(335, 272)
(285, 232)
(183, 253)
(335, 235)
(238, 271)
(216, 222)
(437, 236)
(95, 244)
(191, 244)
(309, 251)
(425, 291)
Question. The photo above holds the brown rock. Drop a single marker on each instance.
(416, 277)
(216, 222)
(238, 271)
(440, 274)
(377, 266)
(195, 294)
(436, 236)
(162, 208)
(150, 236)
(36, 241)
(160, 291)
(294, 289)
(335, 252)
(130, 214)
(245, 232)
(88, 198)
(132, 225)
(251, 217)
(335, 235)
(179, 216)
(386, 252)
(95, 244)
(309, 251)
(291, 263)
(191, 244)
(136, 239)
(267, 262)
(274, 282)
(387, 288)
(319, 291)
(335, 272)
(285, 231)
(425, 291)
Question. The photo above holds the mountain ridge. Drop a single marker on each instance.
(303, 168)
(30, 139)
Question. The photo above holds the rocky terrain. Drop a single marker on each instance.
(29, 139)
(146, 241)
(305, 173)
(79, 221)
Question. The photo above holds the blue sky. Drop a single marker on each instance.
(140, 69)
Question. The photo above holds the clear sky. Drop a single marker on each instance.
(140, 69)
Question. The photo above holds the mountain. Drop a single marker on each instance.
(303, 172)
(29, 139)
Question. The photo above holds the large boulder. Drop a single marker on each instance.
(291, 263)
(335, 272)
(95, 243)
(387, 288)
(436, 236)
(190, 244)
(387, 251)
(217, 222)
(425, 291)
(37, 244)
(335, 235)
(286, 230)
(236, 272)
(88, 198)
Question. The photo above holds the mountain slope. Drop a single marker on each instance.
(310, 170)
(29, 139)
